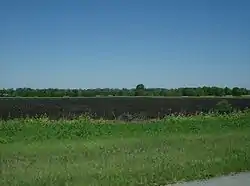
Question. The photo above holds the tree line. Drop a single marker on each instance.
(139, 90)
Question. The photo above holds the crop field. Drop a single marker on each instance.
(38, 152)
(112, 107)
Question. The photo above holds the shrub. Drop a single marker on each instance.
(223, 107)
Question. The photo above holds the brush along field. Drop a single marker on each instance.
(39, 152)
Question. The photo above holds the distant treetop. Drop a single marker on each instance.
(140, 87)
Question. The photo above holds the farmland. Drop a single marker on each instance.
(113, 107)
(64, 149)
(72, 152)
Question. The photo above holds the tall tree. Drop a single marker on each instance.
(140, 90)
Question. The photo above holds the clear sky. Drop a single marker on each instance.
(121, 43)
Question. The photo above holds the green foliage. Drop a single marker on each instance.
(236, 91)
(3, 141)
(140, 90)
(41, 152)
(189, 92)
(227, 91)
(140, 87)
(223, 107)
(83, 127)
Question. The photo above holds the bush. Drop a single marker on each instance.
(223, 107)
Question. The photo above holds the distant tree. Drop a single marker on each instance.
(236, 91)
(189, 92)
(227, 91)
(140, 87)
(200, 91)
(3, 93)
(157, 92)
(244, 91)
(205, 90)
(140, 90)
(120, 93)
(210, 91)
(216, 91)
(173, 92)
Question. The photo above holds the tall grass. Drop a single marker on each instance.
(86, 152)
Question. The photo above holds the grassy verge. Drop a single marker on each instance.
(82, 152)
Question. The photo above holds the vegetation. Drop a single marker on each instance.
(112, 108)
(140, 90)
(39, 152)
(223, 107)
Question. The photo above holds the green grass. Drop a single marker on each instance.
(85, 152)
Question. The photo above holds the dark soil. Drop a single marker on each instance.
(111, 108)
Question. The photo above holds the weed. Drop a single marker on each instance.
(85, 151)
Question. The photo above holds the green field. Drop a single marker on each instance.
(84, 152)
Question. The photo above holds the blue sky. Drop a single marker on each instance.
(118, 43)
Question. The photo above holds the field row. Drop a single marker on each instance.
(113, 108)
